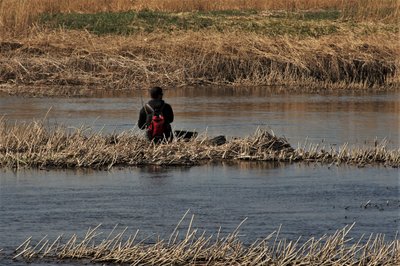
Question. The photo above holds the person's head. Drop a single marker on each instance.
(156, 93)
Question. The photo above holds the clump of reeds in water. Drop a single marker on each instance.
(35, 145)
(193, 247)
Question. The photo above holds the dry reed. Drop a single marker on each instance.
(19, 15)
(34, 145)
(34, 57)
(58, 60)
(193, 247)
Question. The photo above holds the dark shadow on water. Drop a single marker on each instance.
(159, 171)
(248, 165)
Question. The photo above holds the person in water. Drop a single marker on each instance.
(156, 117)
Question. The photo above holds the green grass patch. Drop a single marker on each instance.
(300, 24)
(100, 23)
(127, 22)
(319, 15)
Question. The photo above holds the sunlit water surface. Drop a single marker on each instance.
(305, 200)
(334, 118)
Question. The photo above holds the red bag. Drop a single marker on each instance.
(156, 127)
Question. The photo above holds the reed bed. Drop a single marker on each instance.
(18, 16)
(35, 145)
(58, 60)
(193, 247)
(344, 44)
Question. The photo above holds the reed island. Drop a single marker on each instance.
(35, 145)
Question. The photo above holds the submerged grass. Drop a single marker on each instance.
(193, 247)
(34, 145)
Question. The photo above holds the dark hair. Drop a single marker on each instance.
(155, 92)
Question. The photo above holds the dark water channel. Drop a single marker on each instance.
(306, 200)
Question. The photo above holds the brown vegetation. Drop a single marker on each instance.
(192, 247)
(36, 58)
(61, 59)
(19, 15)
(33, 145)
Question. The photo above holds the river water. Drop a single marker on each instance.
(305, 200)
(335, 118)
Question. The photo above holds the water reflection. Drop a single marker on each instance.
(160, 172)
(305, 200)
(334, 117)
(248, 165)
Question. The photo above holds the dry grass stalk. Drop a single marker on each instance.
(34, 145)
(192, 247)
(77, 59)
(19, 15)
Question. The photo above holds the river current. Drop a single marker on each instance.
(302, 200)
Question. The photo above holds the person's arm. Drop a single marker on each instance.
(169, 114)
(142, 119)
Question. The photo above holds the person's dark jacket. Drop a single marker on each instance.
(145, 119)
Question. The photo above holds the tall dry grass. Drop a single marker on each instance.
(76, 58)
(384, 10)
(18, 16)
(34, 145)
(60, 59)
(192, 246)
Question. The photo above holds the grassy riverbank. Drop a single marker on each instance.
(18, 16)
(56, 47)
(33, 145)
(299, 24)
